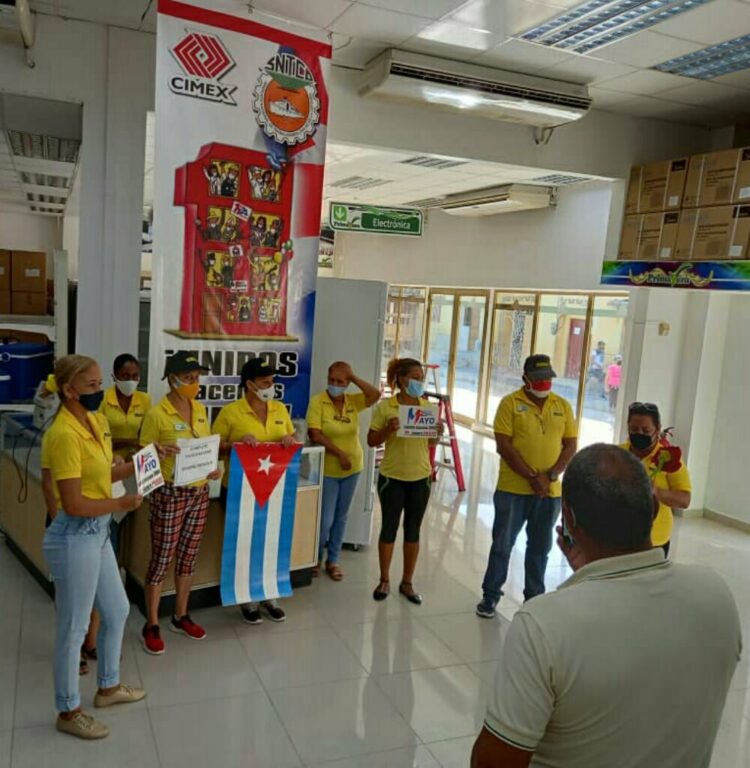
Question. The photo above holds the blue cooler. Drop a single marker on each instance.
(27, 365)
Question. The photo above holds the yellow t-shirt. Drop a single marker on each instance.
(122, 425)
(70, 451)
(162, 424)
(405, 458)
(342, 429)
(238, 419)
(661, 530)
(536, 434)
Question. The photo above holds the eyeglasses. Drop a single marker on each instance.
(643, 408)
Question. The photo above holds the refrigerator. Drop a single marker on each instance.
(349, 326)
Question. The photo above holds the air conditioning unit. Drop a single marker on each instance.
(17, 22)
(509, 198)
(493, 93)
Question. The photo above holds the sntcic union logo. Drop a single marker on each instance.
(204, 61)
(285, 100)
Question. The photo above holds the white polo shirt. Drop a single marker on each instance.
(627, 665)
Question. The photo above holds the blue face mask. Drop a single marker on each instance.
(415, 388)
(336, 391)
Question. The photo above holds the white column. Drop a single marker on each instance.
(114, 138)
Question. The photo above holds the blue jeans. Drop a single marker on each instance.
(512, 510)
(86, 575)
(338, 493)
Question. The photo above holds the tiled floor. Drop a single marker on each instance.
(345, 682)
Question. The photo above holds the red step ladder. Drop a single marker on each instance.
(450, 461)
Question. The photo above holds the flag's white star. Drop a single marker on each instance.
(265, 465)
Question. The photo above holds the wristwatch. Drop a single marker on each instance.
(553, 476)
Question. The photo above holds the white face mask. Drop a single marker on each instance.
(540, 395)
(265, 394)
(126, 388)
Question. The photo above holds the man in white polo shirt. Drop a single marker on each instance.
(629, 663)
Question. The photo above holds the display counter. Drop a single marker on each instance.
(23, 514)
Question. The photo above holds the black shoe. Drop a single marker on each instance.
(412, 597)
(251, 613)
(381, 594)
(275, 613)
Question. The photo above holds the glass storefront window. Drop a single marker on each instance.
(561, 334)
(604, 370)
(467, 367)
(404, 324)
(512, 331)
(442, 307)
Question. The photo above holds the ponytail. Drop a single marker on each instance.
(398, 367)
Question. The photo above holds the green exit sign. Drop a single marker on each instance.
(352, 217)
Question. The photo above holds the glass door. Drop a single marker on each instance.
(455, 338)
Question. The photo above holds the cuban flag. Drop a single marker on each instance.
(261, 500)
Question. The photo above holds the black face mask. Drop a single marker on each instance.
(91, 401)
(641, 442)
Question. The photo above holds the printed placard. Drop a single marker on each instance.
(418, 421)
(197, 459)
(148, 476)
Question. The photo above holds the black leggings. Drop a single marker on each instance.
(411, 496)
(665, 547)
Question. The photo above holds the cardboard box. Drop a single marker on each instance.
(4, 302)
(29, 272)
(28, 303)
(4, 270)
(634, 190)
(718, 178)
(717, 233)
(656, 187)
(649, 236)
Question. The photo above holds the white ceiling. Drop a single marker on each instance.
(482, 31)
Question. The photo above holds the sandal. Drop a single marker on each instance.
(83, 666)
(382, 590)
(88, 653)
(334, 571)
(316, 571)
(410, 594)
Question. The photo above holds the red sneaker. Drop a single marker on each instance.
(187, 627)
(152, 642)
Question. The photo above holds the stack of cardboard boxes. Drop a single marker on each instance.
(23, 283)
(689, 209)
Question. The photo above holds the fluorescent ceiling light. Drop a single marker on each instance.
(596, 23)
(722, 59)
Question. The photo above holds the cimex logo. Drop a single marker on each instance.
(204, 61)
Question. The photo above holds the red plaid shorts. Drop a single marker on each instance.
(178, 517)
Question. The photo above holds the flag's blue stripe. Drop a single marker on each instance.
(231, 528)
(257, 552)
(288, 506)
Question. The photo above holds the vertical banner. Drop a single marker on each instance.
(241, 114)
(259, 523)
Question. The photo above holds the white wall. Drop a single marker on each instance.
(726, 492)
(559, 247)
(27, 232)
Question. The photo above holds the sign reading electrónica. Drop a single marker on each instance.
(351, 217)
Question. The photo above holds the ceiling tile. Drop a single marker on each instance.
(320, 13)
(705, 92)
(711, 23)
(520, 56)
(584, 69)
(355, 51)
(646, 82)
(429, 9)
(604, 98)
(454, 33)
(739, 79)
(646, 49)
(660, 109)
(379, 24)
(520, 15)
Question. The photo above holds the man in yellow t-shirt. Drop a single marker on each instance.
(536, 437)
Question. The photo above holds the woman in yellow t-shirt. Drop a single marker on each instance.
(178, 513)
(671, 483)
(405, 475)
(125, 406)
(333, 422)
(78, 452)
(257, 417)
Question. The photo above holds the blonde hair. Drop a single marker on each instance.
(68, 367)
(400, 366)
